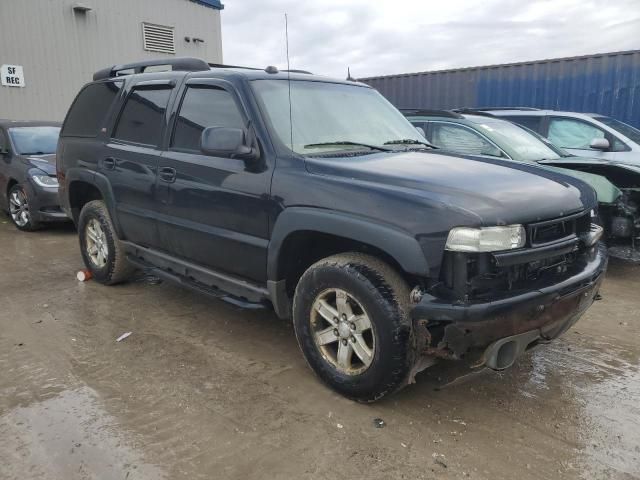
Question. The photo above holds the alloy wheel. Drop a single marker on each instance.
(19, 207)
(342, 331)
(96, 243)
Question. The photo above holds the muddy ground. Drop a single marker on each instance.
(202, 389)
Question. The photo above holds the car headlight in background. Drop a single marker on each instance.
(486, 239)
(45, 181)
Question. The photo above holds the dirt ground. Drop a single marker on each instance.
(202, 389)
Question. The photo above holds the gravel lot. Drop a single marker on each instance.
(202, 389)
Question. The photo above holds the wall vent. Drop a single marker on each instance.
(158, 38)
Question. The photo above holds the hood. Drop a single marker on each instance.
(495, 192)
(46, 163)
(606, 191)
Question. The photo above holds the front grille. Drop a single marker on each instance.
(551, 231)
(474, 276)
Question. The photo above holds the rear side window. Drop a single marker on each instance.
(461, 139)
(532, 123)
(89, 109)
(202, 108)
(142, 117)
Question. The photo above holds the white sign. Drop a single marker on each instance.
(12, 76)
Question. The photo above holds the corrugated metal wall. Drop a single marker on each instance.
(608, 84)
(60, 50)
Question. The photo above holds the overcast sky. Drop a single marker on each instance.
(401, 36)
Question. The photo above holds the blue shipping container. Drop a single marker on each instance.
(607, 83)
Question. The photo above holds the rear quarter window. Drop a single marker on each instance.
(90, 108)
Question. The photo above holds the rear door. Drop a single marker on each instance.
(215, 210)
(130, 159)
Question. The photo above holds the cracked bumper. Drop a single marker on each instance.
(453, 331)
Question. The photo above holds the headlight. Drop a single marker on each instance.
(45, 181)
(486, 239)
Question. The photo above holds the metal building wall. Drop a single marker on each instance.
(606, 83)
(60, 49)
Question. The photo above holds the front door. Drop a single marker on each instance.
(215, 212)
(130, 161)
(576, 136)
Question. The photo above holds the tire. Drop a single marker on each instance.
(372, 289)
(19, 210)
(109, 265)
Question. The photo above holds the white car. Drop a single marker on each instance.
(583, 134)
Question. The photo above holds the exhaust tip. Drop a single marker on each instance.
(506, 355)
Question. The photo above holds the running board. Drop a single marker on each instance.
(208, 282)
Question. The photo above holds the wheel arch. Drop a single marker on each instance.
(302, 236)
(84, 186)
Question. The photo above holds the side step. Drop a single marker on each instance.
(207, 282)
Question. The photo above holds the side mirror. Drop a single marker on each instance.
(227, 142)
(600, 144)
(3, 152)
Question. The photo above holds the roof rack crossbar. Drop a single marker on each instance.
(424, 112)
(185, 64)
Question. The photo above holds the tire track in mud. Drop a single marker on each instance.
(203, 402)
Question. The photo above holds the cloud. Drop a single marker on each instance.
(381, 38)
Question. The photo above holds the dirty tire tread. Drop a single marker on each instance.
(387, 294)
(117, 269)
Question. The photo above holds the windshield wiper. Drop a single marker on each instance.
(34, 153)
(409, 141)
(347, 142)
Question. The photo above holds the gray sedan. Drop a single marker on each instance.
(28, 183)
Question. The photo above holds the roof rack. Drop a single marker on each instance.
(185, 64)
(420, 112)
(483, 109)
(220, 65)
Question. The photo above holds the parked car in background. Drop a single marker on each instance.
(583, 134)
(479, 134)
(316, 196)
(28, 183)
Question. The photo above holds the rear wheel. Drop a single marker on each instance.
(20, 211)
(102, 251)
(350, 317)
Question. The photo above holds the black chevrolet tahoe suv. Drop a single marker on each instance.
(318, 198)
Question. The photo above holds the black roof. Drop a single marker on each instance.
(28, 123)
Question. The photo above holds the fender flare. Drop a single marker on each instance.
(400, 245)
(100, 182)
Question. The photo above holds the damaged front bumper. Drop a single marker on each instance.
(494, 333)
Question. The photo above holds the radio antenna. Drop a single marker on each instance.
(286, 33)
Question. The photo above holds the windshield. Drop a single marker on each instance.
(330, 117)
(524, 145)
(34, 140)
(626, 130)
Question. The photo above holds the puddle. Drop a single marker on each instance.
(68, 437)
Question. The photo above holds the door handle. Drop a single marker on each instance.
(167, 174)
(109, 163)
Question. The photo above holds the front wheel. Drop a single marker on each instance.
(350, 314)
(20, 210)
(102, 251)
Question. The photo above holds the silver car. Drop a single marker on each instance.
(583, 134)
